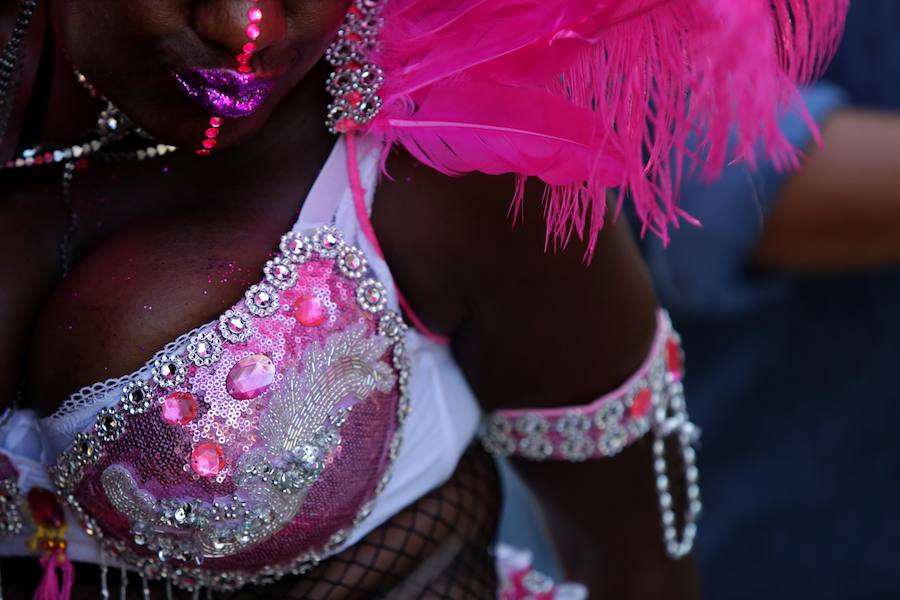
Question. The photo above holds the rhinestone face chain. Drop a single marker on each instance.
(355, 81)
(244, 60)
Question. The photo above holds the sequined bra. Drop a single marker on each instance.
(264, 441)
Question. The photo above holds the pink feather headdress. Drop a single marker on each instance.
(592, 95)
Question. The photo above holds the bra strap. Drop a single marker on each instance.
(365, 225)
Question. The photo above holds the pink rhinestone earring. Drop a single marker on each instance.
(355, 81)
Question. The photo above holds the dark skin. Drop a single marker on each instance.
(166, 245)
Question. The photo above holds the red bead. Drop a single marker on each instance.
(249, 48)
(641, 404)
(209, 144)
(202, 152)
(252, 31)
(45, 509)
(674, 359)
(254, 14)
(212, 132)
(243, 58)
(244, 69)
(215, 121)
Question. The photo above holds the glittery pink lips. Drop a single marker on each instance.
(225, 92)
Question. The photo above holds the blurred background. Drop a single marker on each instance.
(788, 302)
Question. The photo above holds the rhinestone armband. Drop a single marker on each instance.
(651, 401)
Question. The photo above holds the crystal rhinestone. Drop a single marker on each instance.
(168, 371)
(178, 408)
(536, 447)
(296, 248)
(371, 296)
(576, 448)
(110, 425)
(250, 377)
(235, 326)
(207, 459)
(45, 509)
(352, 264)
(641, 404)
(609, 414)
(573, 424)
(86, 448)
(612, 441)
(532, 424)
(309, 311)
(261, 300)
(328, 242)
(136, 397)
(204, 348)
(280, 273)
(391, 326)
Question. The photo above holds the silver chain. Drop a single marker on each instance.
(11, 62)
(673, 421)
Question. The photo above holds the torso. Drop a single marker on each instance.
(166, 245)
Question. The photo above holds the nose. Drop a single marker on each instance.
(232, 23)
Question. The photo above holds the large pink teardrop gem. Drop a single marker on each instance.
(250, 377)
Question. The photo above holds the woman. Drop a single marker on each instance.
(253, 453)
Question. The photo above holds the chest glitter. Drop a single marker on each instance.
(253, 451)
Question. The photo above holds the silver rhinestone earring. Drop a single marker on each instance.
(355, 81)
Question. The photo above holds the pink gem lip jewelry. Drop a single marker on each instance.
(226, 92)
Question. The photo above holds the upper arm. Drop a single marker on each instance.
(536, 329)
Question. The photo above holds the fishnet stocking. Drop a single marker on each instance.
(438, 548)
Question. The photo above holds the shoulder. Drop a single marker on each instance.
(454, 244)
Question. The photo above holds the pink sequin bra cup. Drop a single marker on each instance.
(255, 451)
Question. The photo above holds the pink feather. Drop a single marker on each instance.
(589, 95)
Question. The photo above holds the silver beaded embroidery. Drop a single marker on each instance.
(11, 521)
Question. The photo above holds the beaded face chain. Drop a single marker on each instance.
(244, 60)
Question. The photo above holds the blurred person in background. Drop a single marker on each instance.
(787, 300)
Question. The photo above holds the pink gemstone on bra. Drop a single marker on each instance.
(640, 406)
(309, 311)
(252, 31)
(179, 408)
(250, 377)
(207, 459)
